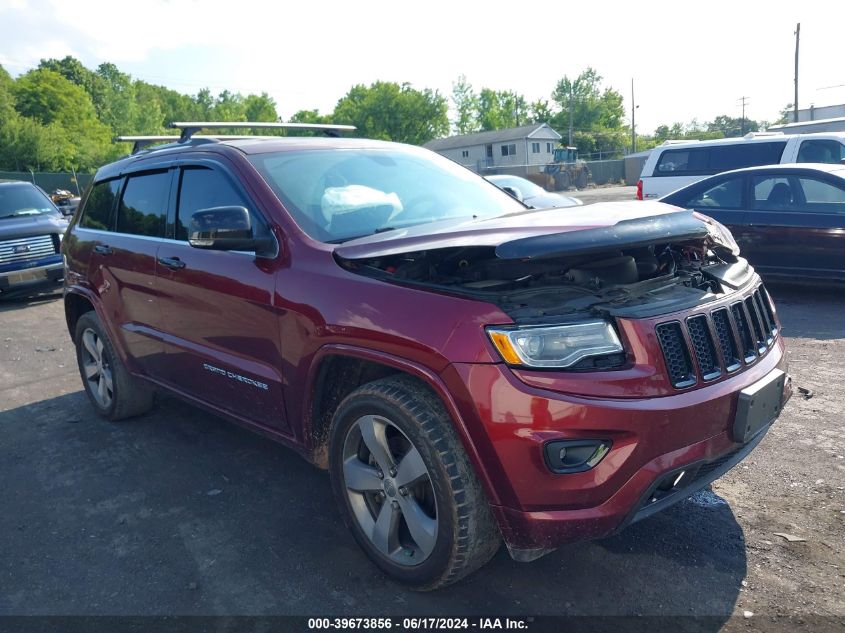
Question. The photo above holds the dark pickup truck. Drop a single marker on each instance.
(31, 232)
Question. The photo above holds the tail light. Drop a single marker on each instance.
(639, 190)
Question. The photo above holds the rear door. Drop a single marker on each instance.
(122, 264)
(797, 225)
(223, 342)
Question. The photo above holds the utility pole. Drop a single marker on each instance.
(570, 114)
(742, 120)
(633, 121)
(795, 102)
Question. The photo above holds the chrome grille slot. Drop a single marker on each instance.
(676, 354)
(727, 341)
(702, 345)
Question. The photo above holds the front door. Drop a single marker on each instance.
(222, 339)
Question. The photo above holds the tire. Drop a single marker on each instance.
(452, 532)
(562, 181)
(581, 179)
(126, 396)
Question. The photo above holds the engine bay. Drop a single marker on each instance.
(625, 282)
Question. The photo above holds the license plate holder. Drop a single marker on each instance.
(758, 406)
(24, 276)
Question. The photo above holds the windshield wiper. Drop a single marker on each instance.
(19, 213)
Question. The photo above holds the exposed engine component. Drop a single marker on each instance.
(613, 281)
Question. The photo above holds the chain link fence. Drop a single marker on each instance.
(50, 181)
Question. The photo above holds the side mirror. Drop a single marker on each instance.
(513, 191)
(228, 229)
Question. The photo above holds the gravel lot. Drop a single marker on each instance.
(179, 512)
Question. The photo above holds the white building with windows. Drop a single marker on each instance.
(519, 146)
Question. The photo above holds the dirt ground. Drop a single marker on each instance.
(178, 512)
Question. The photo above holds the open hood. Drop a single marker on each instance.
(501, 230)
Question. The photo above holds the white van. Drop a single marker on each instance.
(676, 164)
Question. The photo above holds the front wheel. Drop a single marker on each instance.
(405, 486)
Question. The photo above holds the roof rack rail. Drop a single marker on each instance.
(189, 128)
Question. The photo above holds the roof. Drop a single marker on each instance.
(826, 167)
(789, 126)
(484, 138)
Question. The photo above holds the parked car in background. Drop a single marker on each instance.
(468, 370)
(531, 194)
(676, 164)
(31, 230)
(789, 220)
(65, 201)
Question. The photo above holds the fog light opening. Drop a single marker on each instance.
(575, 456)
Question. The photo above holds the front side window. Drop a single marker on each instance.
(725, 195)
(203, 188)
(339, 194)
(143, 206)
(821, 151)
(99, 207)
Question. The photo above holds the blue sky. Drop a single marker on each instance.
(688, 59)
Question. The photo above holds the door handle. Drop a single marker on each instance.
(171, 262)
(103, 249)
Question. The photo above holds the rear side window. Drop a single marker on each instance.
(98, 210)
(821, 151)
(203, 188)
(701, 161)
(143, 208)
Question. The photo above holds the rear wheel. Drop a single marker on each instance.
(405, 487)
(113, 392)
(562, 180)
(581, 179)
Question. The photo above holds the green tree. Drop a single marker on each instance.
(730, 126)
(49, 98)
(260, 108)
(397, 112)
(540, 111)
(597, 114)
(466, 106)
(500, 109)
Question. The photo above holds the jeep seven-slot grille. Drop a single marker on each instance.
(718, 342)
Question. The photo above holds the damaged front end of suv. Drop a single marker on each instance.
(561, 288)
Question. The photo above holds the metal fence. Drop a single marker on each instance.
(607, 171)
(50, 181)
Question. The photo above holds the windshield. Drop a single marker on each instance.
(23, 199)
(527, 188)
(340, 194)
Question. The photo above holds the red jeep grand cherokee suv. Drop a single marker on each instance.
(467, 369)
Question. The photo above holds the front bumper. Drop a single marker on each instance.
(653, 438)
(23, 279)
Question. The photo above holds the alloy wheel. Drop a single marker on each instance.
(97, 369)
(389, 490)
